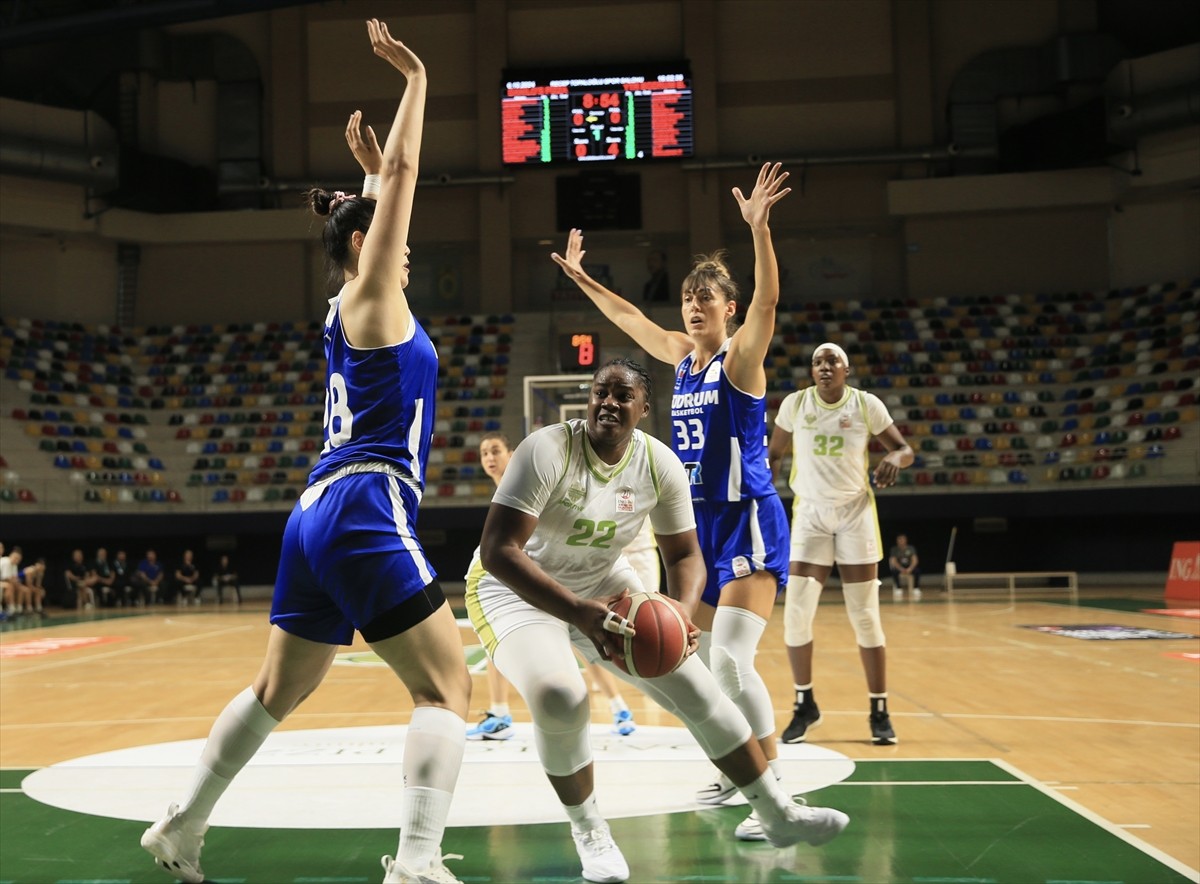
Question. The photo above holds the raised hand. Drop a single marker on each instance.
(767, 192)
(397, 54)
(572, 264)
(363, 145)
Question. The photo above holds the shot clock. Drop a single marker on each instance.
(597, 115)
(578, 351)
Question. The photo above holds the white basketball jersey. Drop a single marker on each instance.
(587, 510)
(829, 443)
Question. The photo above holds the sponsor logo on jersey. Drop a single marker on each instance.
(573, 499)
(695, 400)
(713, 374)
(844, 422)
(693, 471)
(741, 567)
(625, 500)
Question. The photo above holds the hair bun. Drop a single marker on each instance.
(320, 201)
(713, 263)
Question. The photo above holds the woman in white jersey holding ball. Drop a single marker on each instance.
(495, 451)
(351, 560)
(826, 429)
(572, 498)
(719, 430)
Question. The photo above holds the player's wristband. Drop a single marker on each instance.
(370, 188)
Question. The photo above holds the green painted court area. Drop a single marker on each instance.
(926, 822)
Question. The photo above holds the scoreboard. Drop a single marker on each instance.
(555, 117)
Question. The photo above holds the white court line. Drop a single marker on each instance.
(999, 717)
(390, 715)
(931, 782)
(1138, 723)
(127, 649)
(1115, 830)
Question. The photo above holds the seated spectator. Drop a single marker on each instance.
(187, 580)
(123, 580)
(147, 579)
(33, 577)
(18, 596)
(902, 560)
(8, 584)
(105, 578)
(80, 582)
(226, 576)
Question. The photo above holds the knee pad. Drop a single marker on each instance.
(736, 633)
(735, 637)
(800, 609)
(561, 712)
(692, 695)
(862, 607)
(538, 661)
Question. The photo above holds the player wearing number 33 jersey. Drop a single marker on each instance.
(720, 434)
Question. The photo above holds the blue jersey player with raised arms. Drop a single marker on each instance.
(719, 431)
(351, 559)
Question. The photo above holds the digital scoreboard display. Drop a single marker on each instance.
(578, 351)
(597, 115)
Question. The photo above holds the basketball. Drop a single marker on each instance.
(662, 635)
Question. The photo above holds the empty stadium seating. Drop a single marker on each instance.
(203, 414)
(1014, 391)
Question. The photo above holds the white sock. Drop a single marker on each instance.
(424, 811)
(433, 752)
(618, 704)
(499, 709)
(767, 798)
(236, 735)
(585, 817)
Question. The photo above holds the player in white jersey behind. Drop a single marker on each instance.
(719, 432)
(351, 560)
(573, 497)
(826, 430)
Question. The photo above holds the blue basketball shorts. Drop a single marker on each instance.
(739, 538)
(351, 560)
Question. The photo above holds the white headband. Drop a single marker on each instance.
(841, 354)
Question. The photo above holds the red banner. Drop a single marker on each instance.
(1183, 580)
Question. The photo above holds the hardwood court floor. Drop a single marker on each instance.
(1024, 756)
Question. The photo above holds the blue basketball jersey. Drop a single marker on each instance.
(379, 403)
(720, 433)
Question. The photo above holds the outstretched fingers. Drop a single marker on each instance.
(573, 261)
(385, 46)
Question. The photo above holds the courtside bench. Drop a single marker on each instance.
(1014, 580)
